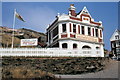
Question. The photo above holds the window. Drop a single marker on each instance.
(70, 28)
(100, 33)
(64, 45)
(82, 29)
(79, 29)
(86, 47)
(97, 47)
(96, 32)
(64, 27)
(49, 36)
(113, 45)
(89, 31)
(74, 28)
(117, 37)
(39, 39)
(74, 46)
(55, 31)
(93, 31)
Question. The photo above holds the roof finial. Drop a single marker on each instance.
(71, 4)
(72, 7)
(72, 10)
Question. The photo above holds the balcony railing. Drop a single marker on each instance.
(56, 52)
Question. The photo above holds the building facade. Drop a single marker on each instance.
(76, 31)
(115, 43)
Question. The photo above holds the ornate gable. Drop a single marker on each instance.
(84, 12)
(85, 17)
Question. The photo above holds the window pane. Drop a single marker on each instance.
(96, 32)
(64, 45)
(74, 28)
(82, 29)
(64, 27)
(89, 31)
(55, 31)
(74, 45)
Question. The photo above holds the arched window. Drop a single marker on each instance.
(74, 45)
(64, 45)
(97, 47)
(86, 47)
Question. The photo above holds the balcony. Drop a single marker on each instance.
(81, 37)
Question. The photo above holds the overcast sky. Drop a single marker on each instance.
(38, 15)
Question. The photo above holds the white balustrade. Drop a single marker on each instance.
(51, 52)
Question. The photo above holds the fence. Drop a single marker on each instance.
(52, 52)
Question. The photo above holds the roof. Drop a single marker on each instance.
(84, 11)
(116, 32)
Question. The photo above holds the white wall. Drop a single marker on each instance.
(81, 44)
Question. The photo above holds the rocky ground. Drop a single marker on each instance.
(21, 67)
(110, 72)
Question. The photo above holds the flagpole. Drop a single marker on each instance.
(13, 29)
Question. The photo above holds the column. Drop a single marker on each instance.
(91, 31)
(77, 28)
(60, 30)
(71, 27)
(60, 45)
(102, 51)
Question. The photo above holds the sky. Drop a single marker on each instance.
(38, 15)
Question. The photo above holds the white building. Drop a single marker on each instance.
(76, 31)
(115, 43)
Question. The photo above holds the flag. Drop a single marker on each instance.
(19, 16)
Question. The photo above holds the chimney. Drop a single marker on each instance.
(72, 10)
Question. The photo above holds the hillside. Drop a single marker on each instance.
(23, 33)
(61, 66)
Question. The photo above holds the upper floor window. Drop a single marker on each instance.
(83, 31)
(89, 31)
(117, 37)
(64, 27)
(55, 31)
(100, 33)
(74, 28)
(96, 32)
(93, 31)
